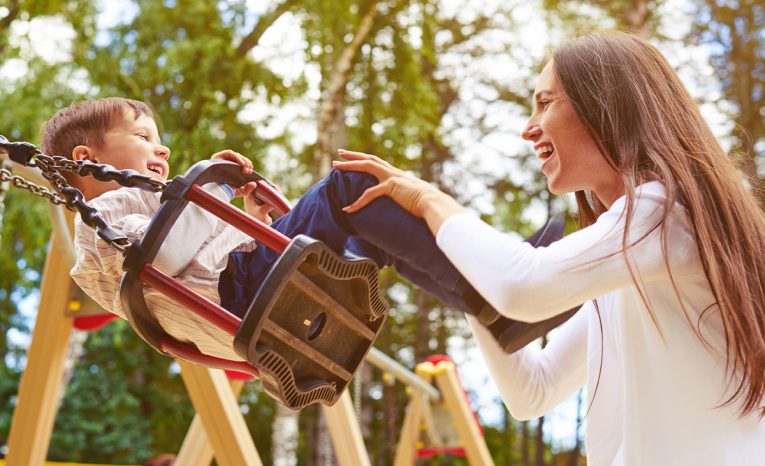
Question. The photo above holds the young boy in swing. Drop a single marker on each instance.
(211, 257)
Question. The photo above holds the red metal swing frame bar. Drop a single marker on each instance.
(203, 307)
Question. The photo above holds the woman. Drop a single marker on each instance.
(670, 263)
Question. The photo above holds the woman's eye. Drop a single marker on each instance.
(544, 103)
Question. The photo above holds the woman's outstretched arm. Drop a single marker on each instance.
(533, 381)
(528, 284)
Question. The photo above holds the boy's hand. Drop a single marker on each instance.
(256, 207)
(235, 157)
(242, 161)
(251, 205)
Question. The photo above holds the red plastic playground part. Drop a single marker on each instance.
(94, 322)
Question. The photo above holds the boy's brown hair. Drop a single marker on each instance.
(85, 123)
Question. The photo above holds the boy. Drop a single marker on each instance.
(211, 257)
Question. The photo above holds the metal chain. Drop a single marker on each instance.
(3, 189)
(6, 176)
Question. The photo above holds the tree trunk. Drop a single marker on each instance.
(539, 449)
(326, 456)
(334, 95)
(422, 331)
(508, 444)
(284, 436)
(264, 22)
(574, 460)
(525, 444)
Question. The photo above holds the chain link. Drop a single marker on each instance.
(6, 176)
(3, 190)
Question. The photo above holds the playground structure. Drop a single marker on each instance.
(218, 430)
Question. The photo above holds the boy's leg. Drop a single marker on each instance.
(391, 237)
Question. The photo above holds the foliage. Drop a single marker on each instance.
(734, 32)
(127, 402)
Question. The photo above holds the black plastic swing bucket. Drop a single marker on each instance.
(312, 322)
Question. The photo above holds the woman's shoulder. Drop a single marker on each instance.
(649, 201)
(646, 194)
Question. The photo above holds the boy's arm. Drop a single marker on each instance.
(189, 233)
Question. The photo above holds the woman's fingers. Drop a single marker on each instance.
(403, 189)
(380, 171)
(366, 197)
(351, 155)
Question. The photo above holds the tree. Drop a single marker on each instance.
(734, 34)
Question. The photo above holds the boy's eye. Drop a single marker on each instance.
(143, 136)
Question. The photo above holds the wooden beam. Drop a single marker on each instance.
(409, 439)
(41, 382)
(457, 404)
(346, 433)
(196, 449)
(213, 400)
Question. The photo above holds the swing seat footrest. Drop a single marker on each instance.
(312, 322)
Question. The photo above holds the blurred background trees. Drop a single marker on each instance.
(438, 87)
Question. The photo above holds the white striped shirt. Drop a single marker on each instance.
(195, 252)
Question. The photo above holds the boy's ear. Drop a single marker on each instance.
(81, 153)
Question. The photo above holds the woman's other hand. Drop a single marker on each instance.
(414, 195)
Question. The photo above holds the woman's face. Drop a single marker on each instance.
(571, 160)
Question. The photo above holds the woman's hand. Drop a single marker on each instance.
(251, 205)
(416, 196)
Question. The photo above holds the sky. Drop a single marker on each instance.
(283, 48)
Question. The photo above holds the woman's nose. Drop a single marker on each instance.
(532, 131)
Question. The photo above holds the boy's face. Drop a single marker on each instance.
(133, 143)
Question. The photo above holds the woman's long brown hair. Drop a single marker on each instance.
(650, 128)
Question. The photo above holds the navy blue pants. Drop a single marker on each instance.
(382, 231)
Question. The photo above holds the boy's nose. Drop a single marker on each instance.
(163, 152)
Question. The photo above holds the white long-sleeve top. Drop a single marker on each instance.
(655, 389)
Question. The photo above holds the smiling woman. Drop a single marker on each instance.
(572, 160)
(669, 263)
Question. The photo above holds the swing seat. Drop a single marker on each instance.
(312, 321)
